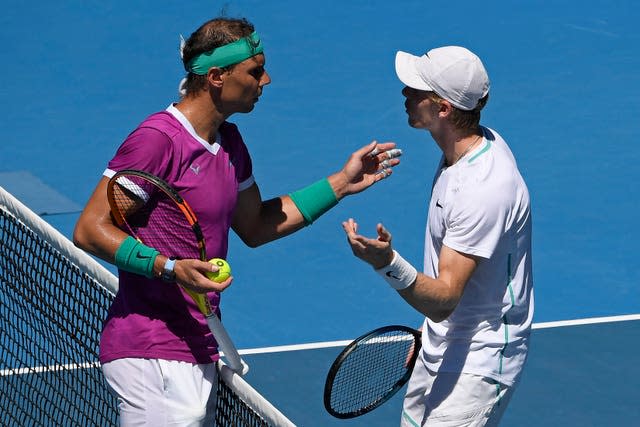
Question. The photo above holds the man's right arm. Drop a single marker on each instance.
(436, 298)
(96, 233)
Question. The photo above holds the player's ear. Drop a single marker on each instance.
(444, 108)
(214, 76)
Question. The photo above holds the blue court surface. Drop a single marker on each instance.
(78, 76)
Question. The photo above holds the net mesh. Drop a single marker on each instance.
(51, 314)
(232, 412)
(50, 319)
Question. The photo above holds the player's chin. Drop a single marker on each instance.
(414, 123)
(249, 107)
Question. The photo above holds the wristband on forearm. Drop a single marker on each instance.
(314, 200)
(134, 257)
(400, 274)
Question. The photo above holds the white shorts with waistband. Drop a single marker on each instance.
(154, 392)
(453, 400)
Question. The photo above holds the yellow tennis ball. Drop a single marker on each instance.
(223, 273)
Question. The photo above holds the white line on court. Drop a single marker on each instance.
(590, 321)
(41, 369)
(312, 346)
(542, 325)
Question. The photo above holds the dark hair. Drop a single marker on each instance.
(212, 34)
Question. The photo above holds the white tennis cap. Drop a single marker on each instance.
(453, 72)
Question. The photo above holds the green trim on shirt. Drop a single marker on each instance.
(505, 320)
(481, 152)
(409, 419)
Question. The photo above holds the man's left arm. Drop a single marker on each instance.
(258, 222)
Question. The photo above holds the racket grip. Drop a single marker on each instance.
(234, 361)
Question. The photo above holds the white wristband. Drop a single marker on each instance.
(400, 274)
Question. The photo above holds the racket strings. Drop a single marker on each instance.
(374, 368)
(154, 215)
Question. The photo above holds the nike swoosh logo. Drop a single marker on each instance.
(388, 273)
(140, 256)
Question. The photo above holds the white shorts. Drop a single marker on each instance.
(453, 400)
(154, 392)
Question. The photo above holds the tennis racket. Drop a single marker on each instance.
(370, 370)
(153, 212)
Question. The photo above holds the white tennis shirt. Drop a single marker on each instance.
(480, 206)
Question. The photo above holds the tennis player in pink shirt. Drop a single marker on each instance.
(158, 358)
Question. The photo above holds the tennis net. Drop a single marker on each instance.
(53, 299)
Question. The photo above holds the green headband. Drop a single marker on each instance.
(227, 54)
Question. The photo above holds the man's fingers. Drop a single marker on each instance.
(358, 243)
(370, 149)
(385, 150)
(393, 153)
(383, 154)
(350, 226)
(383, 234)
(382, 174)
(386, 146)
(387, 159)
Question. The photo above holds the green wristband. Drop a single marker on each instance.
(314, 200)
(134, 257)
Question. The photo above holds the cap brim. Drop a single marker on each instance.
(407, 71)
